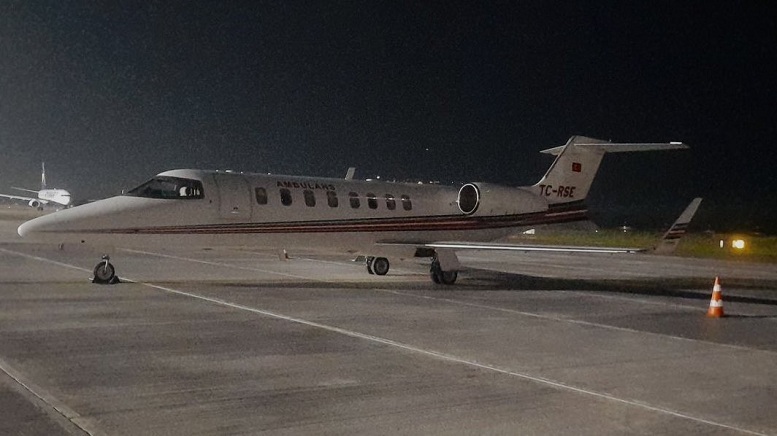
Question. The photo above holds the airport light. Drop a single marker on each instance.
(738, 244)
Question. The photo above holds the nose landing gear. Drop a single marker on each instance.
(104, 272)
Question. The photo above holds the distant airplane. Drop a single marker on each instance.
(44, 195)
(374, 218)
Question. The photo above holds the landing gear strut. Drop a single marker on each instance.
(104, 273)
(442, 277)
(377, 265)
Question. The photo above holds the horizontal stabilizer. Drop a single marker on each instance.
(570, 176)
(620, 147)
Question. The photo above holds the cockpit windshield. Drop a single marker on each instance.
(169, 188)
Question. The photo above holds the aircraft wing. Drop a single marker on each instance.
(21, 198)
(24, 189)
(422, 248)
(666, 245)
(453, 245)
(445, 251)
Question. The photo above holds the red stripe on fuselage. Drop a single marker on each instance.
(427, 223)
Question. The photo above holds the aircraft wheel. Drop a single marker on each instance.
(435, 272)
(380, 266)
(370, 260)
(104, 273)
(449, 277)
(442, 277)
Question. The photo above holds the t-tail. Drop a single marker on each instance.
(569, 178)
(671, 238)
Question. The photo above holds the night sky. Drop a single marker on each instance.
(111, 93)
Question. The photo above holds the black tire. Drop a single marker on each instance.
(434, 271)
(442, 277)
(104, 273)
(380, 266)
(449, 277)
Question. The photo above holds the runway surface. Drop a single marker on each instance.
(240, 342)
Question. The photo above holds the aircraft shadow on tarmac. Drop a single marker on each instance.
(478, 280)
(685, 288)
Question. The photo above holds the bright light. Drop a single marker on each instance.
(739, 244)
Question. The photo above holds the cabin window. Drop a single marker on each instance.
(354, 197)
(331, 198)
(391, 203)
(310, 198)
(285, 197)
(372, 201)
(174, 188)
(406, 204)
(261, 195)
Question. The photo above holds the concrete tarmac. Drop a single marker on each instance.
(239, 342)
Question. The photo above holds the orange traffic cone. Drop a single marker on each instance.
(716, 303)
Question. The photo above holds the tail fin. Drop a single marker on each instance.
(671, 238)
(570, 176)
(42, 176)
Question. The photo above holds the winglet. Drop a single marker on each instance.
(672, 237)
(350, 173)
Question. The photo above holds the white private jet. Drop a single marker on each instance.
(380, 219)
(45, 195)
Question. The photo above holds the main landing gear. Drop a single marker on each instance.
(442, 277)
(377, 265)
(104, 272)
(444, 270)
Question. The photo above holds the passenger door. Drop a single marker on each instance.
(234, 196)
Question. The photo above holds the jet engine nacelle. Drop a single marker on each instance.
(487, 199)
(34, 203)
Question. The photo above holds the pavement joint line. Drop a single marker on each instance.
(574, 321)
(640, 300)
(431, 353)
(586, 293)
(351, 263)
(43, 259)
(448, 357)
(448, 300)
(244, 268)
(57, 407)
(589, 294)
